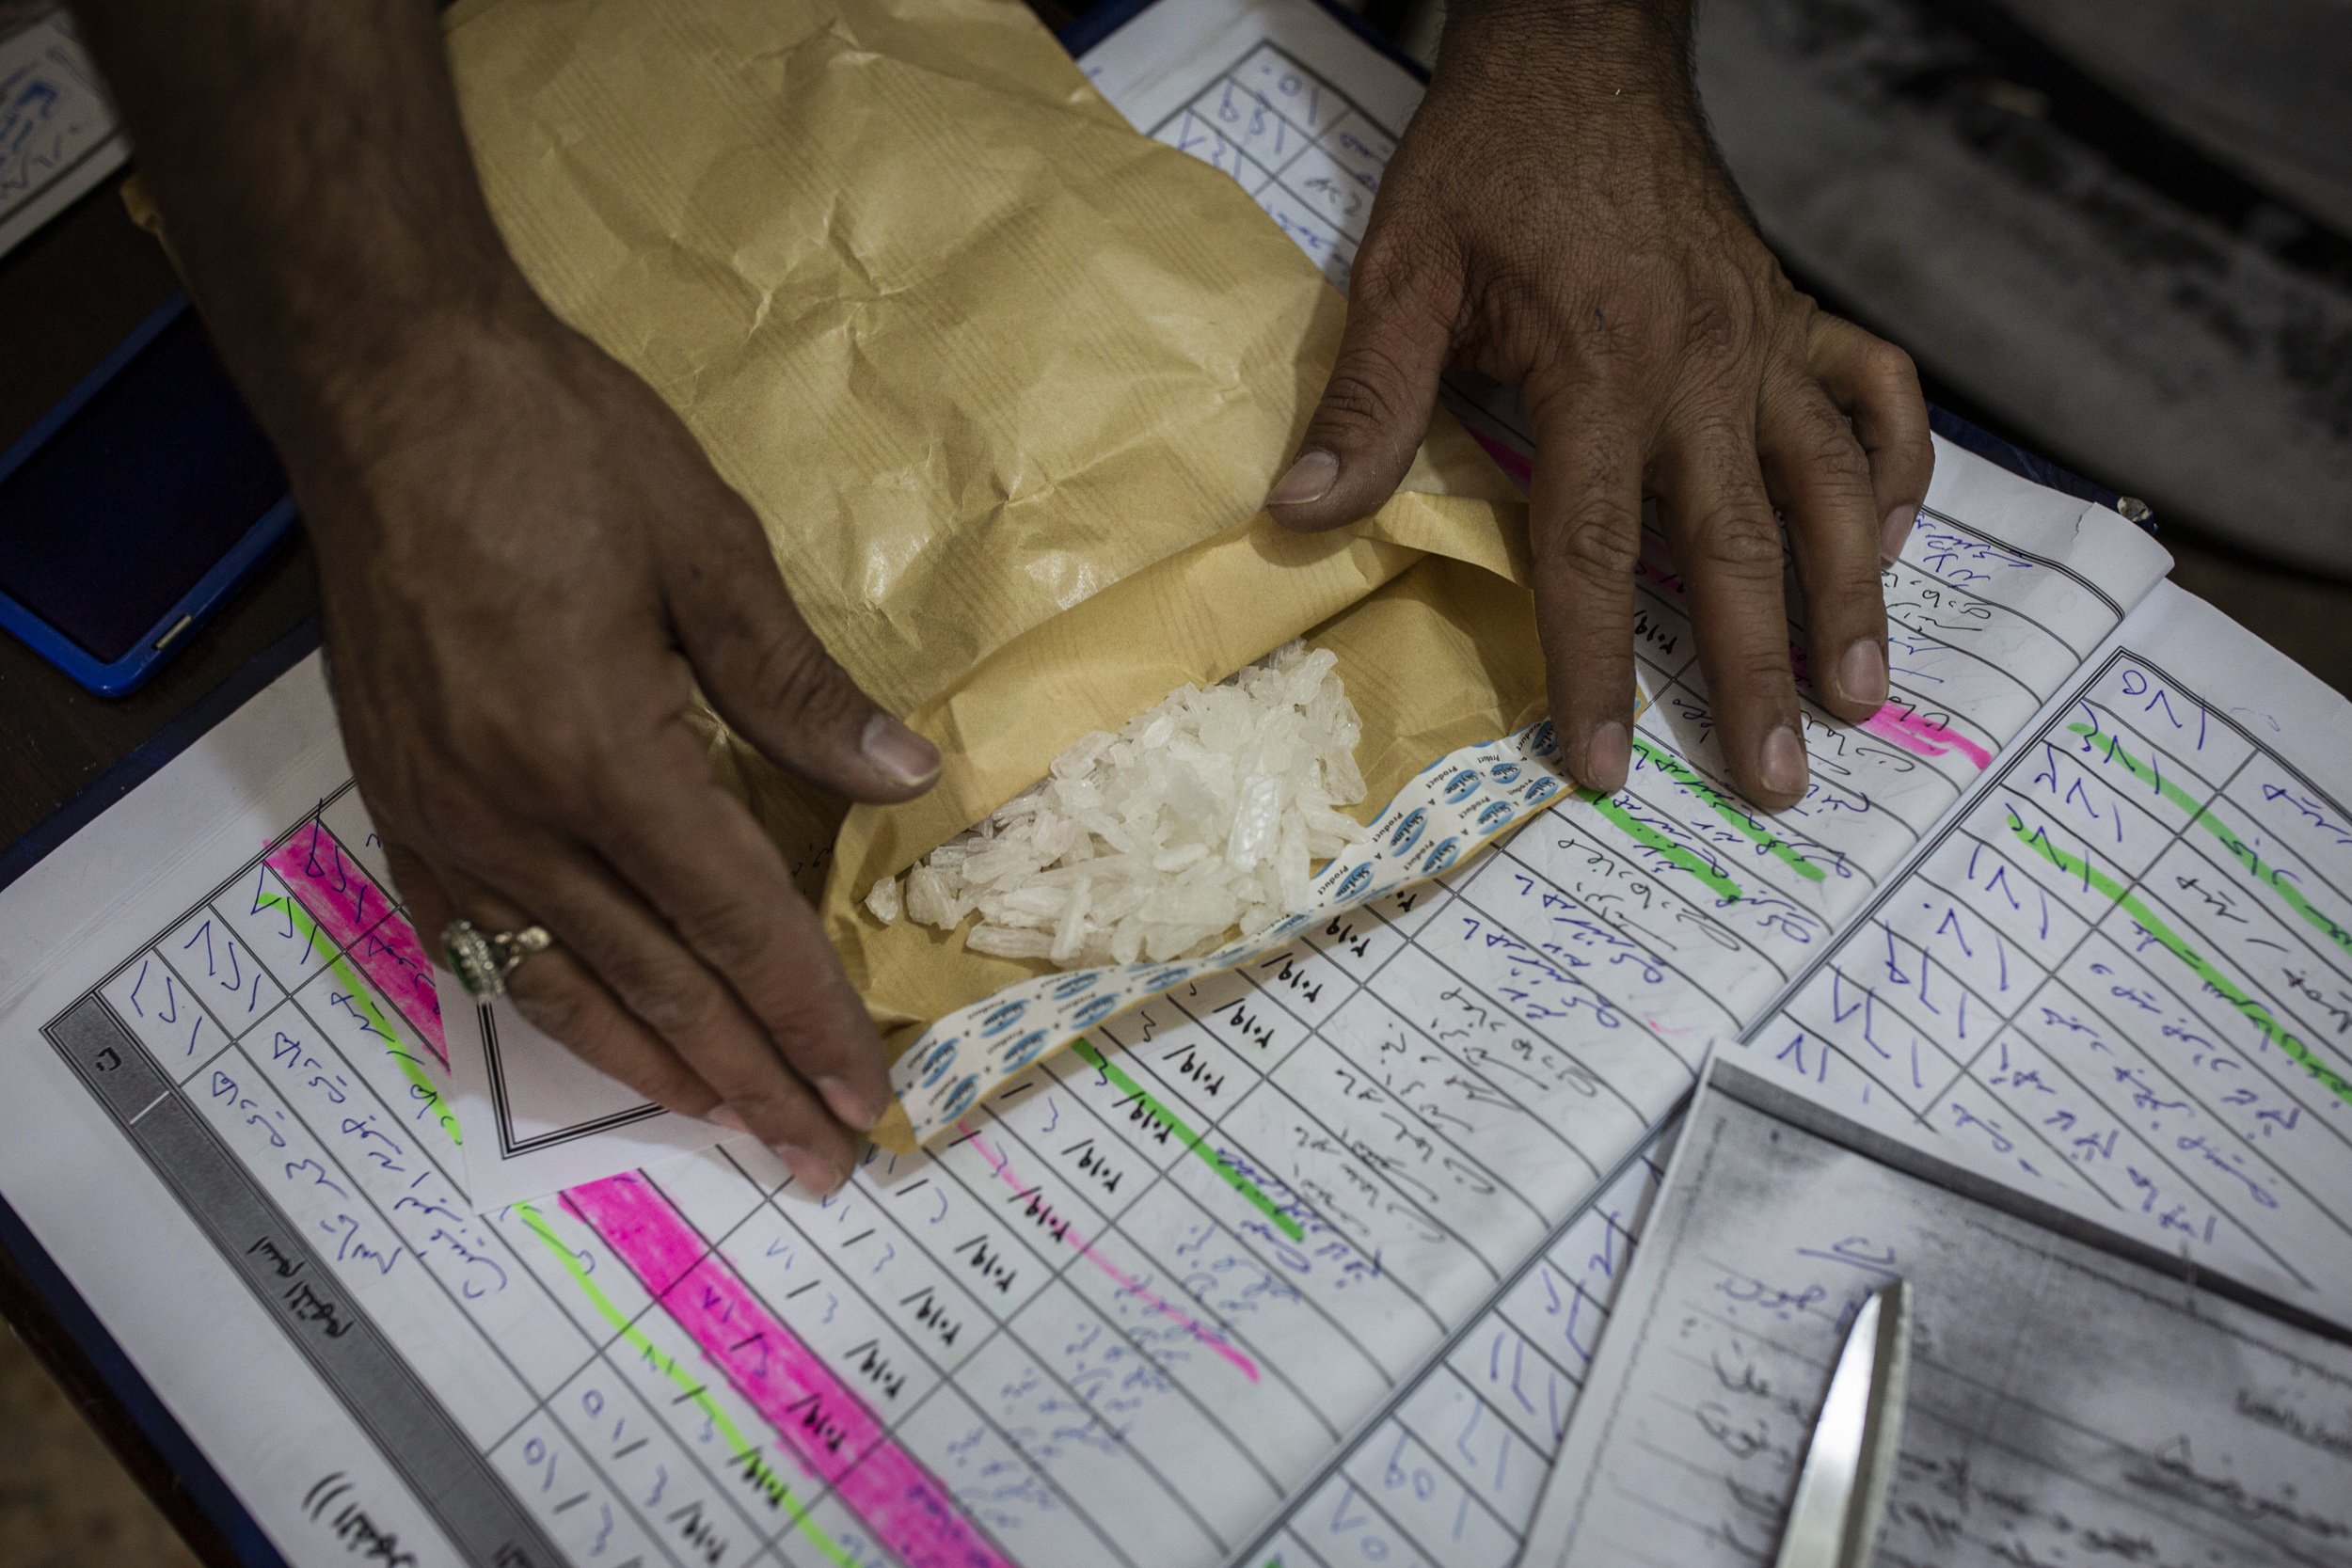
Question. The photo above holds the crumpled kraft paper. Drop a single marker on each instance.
(1439, 656)
(1005, 381)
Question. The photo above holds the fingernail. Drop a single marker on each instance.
(1895, 530)
(1607, 756)
(852, 1106)
(1310, 479)
(1862, 673)
(1782, 763)
(900, 752)
(810, 1169)
(727, 1116)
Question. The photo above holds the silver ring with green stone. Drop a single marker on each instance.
(482, 959)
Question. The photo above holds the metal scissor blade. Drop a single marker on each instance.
(1841, 1493)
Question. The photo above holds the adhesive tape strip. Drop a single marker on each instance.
(1451, 809)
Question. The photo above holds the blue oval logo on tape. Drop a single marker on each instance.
(1542, 789)
(1408, 830)
(1026, 1049)
(1442, 854)
(965, 1092)
(1001, 1019)
(1504, 772)
(1070, 985)
(938, 1059)
(1094, 1009)
(1461, 786)
(1354, 883)
(1495, 814)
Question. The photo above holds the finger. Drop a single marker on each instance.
(1877, 387)
(1729, 550)
(1584, 529)
(675, 997)
(563, 1000)
(771, 677)
(1816, 475)
(727, 894)
(1376, 406)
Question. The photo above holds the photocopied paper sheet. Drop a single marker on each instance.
(2069, 1402)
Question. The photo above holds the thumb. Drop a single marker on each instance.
(1376, 407)
(771, 678)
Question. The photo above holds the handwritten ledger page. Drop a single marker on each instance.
(1303, 1264)
(1131, 1316)
(2065, 1404)
(2123, 975)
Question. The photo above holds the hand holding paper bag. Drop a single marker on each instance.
(1004, 380)
(1002, 384)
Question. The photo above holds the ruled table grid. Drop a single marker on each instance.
(2124, 972)
(1308, 154)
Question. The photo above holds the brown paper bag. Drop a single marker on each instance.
(1005, 381)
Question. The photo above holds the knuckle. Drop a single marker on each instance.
(1397, 267)
(1827, 446)
(1766, 668)
(1886, 363)
(674, 1005)
(1362, 391)
(1633, 330)
(799, 680)
(1742, 538)
(730, 934)
(1714, 329)
(1598, 539)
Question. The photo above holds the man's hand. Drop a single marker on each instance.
(526, 563)
(517, 599)
(1555, 218)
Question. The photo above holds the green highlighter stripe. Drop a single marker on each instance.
(2107, 887)
(1192, 1141)
(2201, 815)
(689, 1386)
(427, 1090)
(1729, 810)
(1651, 838)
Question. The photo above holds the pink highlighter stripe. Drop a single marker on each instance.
(821, 1423)
(360, 916)
(1186, 1321)
(1923, 736)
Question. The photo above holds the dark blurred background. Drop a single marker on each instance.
(2116, 231)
